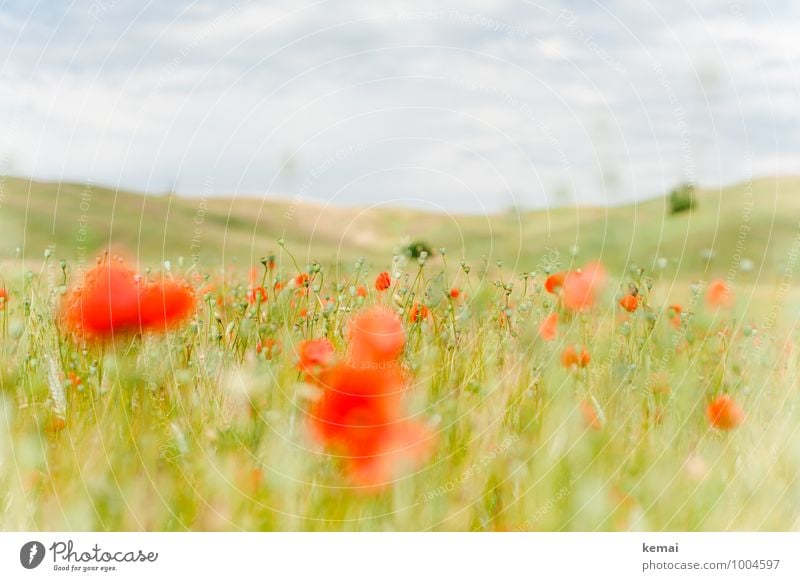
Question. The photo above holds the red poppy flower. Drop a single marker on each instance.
(164, 304)
(719, 294)
(112, 300)
(376, 335)
(554, 282)
(361, 291)
(403, 449)
(581, 287)
(314, 354)
(675, 316)
(418, 312)
(74, 379)
(549, 327)
(256, 294)
(630, 302)
(301, 280)
(383, 281)
(107, 302)
(572, 357)
(455, 293)
(55, 424)
(360, 416)
(724, 414)
(3, 298)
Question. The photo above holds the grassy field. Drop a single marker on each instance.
(757, 220)
(211, 424)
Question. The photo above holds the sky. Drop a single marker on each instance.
(448, 106)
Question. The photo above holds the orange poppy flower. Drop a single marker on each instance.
(361, 291)
(571, 357)
(455, 293)
(3, 298)
(719, 294)
(360, 417)
(675, 316)
(630, 302)
(554, 282)
(383, 281)
(314, 355)
(106, 302)
(301, 280)
(580, 288)
(724, 414)
(549, 327)
(165, 304)
(376, 335)
(257, 294)
(112, 300)
(74, 379)
(418, 312)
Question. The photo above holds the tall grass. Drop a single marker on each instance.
(206, 427)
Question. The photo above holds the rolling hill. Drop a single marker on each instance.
(757, 222)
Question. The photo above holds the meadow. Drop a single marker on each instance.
(174, 364)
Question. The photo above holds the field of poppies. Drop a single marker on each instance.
(427, 393)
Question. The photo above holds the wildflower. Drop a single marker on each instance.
(630, 302)
(113, 300)
(257, 294)
(719, 294)
(554, 282)
(549, 327)
(376, 335)
(383, 281)
(571, 357)
(314, 354)
(360, 417)
(165, 304)
(74, 380)
(455, 293)
(107, 302)
(675, 316)
(3, 298)
(580, 288)
(301, 280)
(361, 291)
(418, 313)
(55, 423)
(724, 414)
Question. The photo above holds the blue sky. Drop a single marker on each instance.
(453, 106)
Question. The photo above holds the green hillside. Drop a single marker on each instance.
(757, 222)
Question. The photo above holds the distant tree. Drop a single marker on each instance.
(416, 248)
(682, 199)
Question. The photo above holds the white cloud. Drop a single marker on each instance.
(465, 104)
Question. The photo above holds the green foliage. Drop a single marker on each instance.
(416, 248)
(682, 199)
